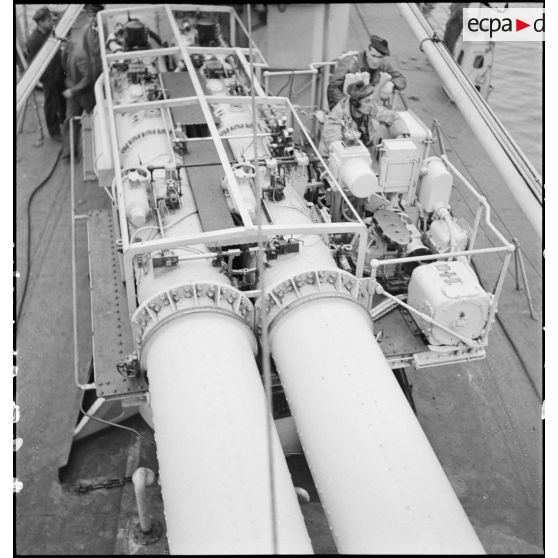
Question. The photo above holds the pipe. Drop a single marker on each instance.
(375, 471)
(209, 415)
(474, 117)
(380, 483)
(104, 167)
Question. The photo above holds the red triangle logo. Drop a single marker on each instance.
(519, 25)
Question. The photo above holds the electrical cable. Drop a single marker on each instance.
(169, 225)
(28, 248)
(287, 83)
(155, 227)
(141, 229)
(110, 423)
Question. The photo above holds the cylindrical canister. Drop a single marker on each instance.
(237, 121)
(359, 178)
(435, 184)
(142, 139)
(135, 198)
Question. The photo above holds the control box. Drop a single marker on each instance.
(399, 165)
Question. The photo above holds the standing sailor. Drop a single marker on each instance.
(53, 77)
(90, 44)
(79, 92)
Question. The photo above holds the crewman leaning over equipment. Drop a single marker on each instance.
(53, 77)
(359, 115)
(367, 66)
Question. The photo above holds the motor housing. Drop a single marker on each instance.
(450, 293)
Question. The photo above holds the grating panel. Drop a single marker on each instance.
(213, 210)
(112, 335)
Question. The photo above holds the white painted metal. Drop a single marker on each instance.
(142, 139)
(233, 187)
(104, 167)
(374, 468)
(480, 127)
(209, 410)
(379, 481)
(207, 399)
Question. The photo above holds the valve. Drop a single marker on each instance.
(129, 367)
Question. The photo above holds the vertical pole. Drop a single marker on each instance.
(142, 478)
(232, 27)
(497, 292)
(473, 238)
(25, 22)
(519, 259)
(516, 265)
(264, 337)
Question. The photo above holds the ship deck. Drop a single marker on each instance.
(483, 418)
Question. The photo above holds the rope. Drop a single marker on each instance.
(264, 318)
(435, 39)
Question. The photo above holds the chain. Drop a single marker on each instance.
(85, 487)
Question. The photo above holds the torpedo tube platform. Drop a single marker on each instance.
(229, 345)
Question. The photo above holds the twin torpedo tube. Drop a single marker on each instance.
(379, 481)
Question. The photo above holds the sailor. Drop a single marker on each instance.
(359, 115)
(372, 61)
(90, 44)
(454, 24)
(53, 77)
(79, 91)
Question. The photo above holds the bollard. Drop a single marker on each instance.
(147, 530)
(302, 494)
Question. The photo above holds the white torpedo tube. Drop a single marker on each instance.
(380, 483)
(193, 332)
(209, 408)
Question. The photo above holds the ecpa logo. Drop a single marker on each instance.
(508, 24)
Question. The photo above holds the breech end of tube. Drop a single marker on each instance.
(209, 409)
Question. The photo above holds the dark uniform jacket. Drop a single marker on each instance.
(360, 64)
(92, 50)
(343, 118)
(54, 71)
(78, 79)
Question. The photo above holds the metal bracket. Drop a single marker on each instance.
(187, 299)
(287, 294)
(438, 358)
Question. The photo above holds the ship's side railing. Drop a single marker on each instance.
(318, 100)
(482, 215)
